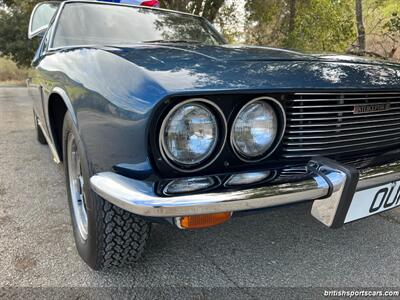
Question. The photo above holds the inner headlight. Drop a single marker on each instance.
(189, 134)
(254, 129)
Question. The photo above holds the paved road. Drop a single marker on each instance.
(281, 248)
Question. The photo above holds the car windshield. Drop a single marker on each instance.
(105, 24)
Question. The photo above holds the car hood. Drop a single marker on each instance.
(187, 68)
(226, 53)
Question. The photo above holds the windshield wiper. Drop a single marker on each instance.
(173, 41)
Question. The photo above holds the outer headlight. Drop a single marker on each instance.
(189, 133)
(255, 129)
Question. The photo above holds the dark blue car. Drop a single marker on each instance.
(158, 120)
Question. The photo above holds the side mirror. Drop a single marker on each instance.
(41, 17)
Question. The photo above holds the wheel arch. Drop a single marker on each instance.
(58, 105)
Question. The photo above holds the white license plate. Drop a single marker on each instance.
(373, 201)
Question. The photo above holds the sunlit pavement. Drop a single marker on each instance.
(280, 248)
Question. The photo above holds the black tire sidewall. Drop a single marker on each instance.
(88, 249)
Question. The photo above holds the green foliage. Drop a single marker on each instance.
(265, 22)
(227, 21)
(382, 22)
(310, 25)
(323, 25)
(14, 22)
(393, 25)
(318, 25)
(9, 72)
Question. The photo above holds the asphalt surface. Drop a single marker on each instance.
(279, 248)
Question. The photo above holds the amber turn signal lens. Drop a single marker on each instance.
(203, 221)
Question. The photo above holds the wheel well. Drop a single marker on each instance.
(57, 110)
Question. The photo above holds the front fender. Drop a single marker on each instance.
(110, 103)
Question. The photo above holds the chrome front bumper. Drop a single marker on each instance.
(330, 182)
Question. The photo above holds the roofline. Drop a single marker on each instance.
(131, 5)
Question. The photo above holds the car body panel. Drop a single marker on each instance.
(113, 91)
(209, 68)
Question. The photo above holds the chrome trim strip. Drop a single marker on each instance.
(316, 137)
(335, 124)
(312, 153)
(393, 134)
(344, 117)
(343, 105)
(339, 129)
(342, 146)
(139, 197)
(53, 150)
(333, 112)
(397, 96)
(31, 35)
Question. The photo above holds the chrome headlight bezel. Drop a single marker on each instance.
(281, 122)
(214, 152)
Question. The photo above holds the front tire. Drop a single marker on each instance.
(105, 235)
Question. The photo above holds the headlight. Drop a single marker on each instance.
(189, 133)
(255, 129)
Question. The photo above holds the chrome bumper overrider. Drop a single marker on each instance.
(329, 184)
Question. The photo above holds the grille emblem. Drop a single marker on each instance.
(370, 108)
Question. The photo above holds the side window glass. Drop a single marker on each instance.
(41, 17)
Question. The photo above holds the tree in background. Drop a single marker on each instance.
(14, 20)
(206, 8)
(227, 21)
(311, 25)
(393, 34)
(382, 28)
(265, 22)
(322, 25)
(360, 26)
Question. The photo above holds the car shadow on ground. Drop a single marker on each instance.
(279, 247)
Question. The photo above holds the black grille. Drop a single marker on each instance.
(341, 123)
